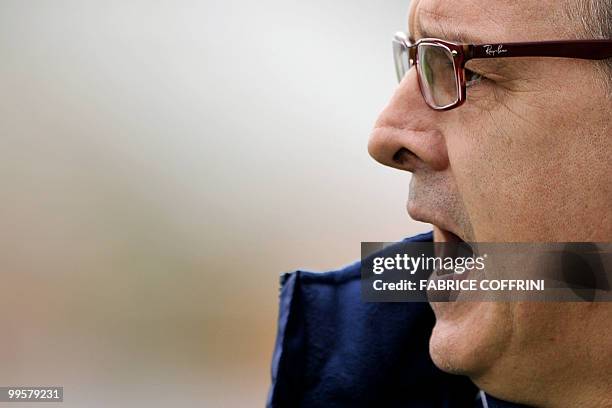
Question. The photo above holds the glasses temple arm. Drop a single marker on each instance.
(589, 49)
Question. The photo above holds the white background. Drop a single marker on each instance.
(161, 163)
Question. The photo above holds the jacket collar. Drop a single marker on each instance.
(333, 350)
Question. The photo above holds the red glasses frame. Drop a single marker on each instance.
(462, 53)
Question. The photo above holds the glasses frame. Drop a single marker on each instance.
(462, 53)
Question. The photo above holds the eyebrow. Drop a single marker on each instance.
(436, 29)
(445, 33)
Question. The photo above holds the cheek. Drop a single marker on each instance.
(511, 170)
(481, 157)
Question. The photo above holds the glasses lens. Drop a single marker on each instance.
(402, 59)
(437, 75)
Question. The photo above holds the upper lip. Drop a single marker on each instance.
(439, 220)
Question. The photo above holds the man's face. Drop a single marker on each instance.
(525, 159)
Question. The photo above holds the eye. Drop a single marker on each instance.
(472, 78)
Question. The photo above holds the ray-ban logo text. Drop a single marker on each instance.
(491, 50)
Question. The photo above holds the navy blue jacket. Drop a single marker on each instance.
(333, 350)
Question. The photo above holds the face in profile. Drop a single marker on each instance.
(526, 158)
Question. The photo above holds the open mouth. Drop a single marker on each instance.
(442, 235)
(449, 245)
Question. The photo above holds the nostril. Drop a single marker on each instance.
(402, 156)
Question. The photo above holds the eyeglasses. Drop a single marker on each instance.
(441, 64)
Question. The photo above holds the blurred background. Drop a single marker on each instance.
(161, 163)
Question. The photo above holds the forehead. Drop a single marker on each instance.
(489, 20)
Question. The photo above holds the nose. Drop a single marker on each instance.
(407, 134)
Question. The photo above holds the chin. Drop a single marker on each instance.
(469, 338)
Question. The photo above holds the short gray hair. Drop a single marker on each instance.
(596, 20)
